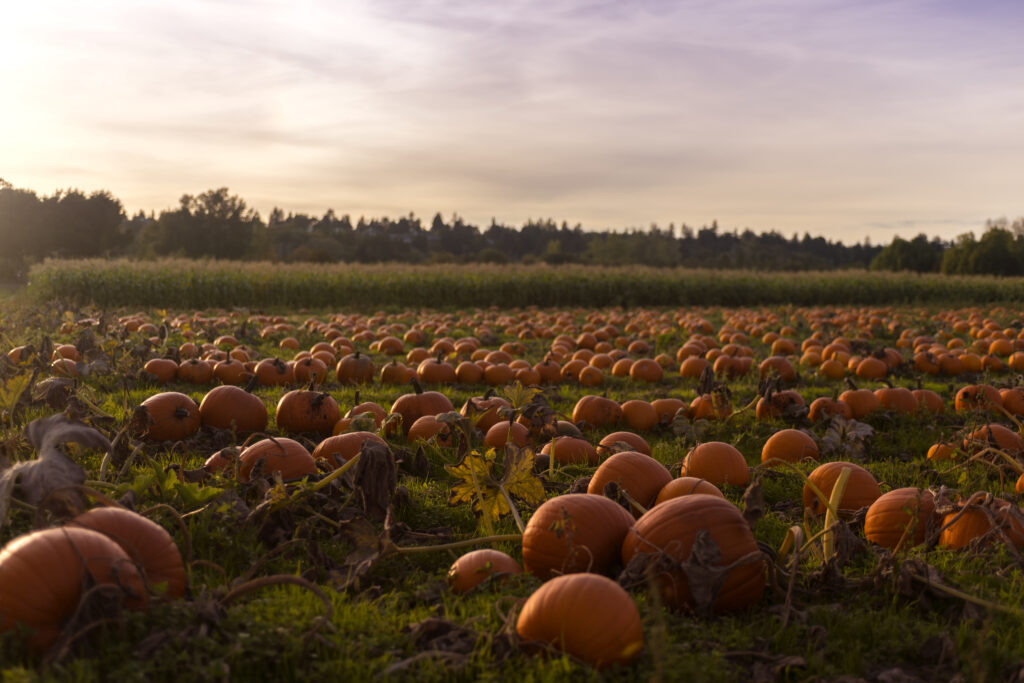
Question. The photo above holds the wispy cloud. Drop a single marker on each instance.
(830, 116)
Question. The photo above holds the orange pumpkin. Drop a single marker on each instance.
(718, 462)
(286, 456)
(900, 517)
(861, 488)
(477, 566)
(590, 617)
(147, 543)
(42, 575)
(340, 448)
(637, 474)
(231, 407)
(789, 445)
(301, 410)
(172, 416)
(414, 406)
(686, 486)
(574, 532)
(597, 412)
(570, 449)
(672, 528)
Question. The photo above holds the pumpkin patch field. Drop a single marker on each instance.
(631, 491)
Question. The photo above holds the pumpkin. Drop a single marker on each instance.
(929, 400)
(477, 566)
(272, 372)
(286, 456)
(395, 373)
(971, 522)
(435, 371)
(427, 427)
(789, 445)
(310, 370)
(587, 616)
(633, 442)
(710, 407)
(414, 406)
(666, 408)
(507, 432)
(672, 528)
(646, 370)
(42, 574)
(597, 412)
(574, 532)
(368, 408)
(777, 366)
(977, 397)
(340, 448)
(639, 475)
(164, 370)
(897, 399)
(861, 401)
(499, 374)
(468, 372)
(171, 416)
(307, 411)
(905, 512)
(549, 371)
(718, 462)
(639, 415)
(941, 451)
(231, 371)
(861, 488)
(147, 543)
(694, 366)
(485, 410)
(568, 450)
(778, 404)
(234, 408)
(195, 371)
(993, 436)
(824, 407)
(355, 368)
(589, 376)
(871, 368)
(686, 486)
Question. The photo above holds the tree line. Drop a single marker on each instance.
(216, 224)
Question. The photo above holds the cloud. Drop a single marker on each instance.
(824, 115)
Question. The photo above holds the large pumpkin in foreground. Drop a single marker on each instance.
(42, 575)
(575, 532)
(146, 542)
(672, 528)
(585, 615)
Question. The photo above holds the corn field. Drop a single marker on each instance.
(198, 284)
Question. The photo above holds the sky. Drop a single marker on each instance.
(848, 119)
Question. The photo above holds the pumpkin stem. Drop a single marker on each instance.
(455, 545)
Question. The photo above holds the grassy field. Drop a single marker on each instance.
(929, 612)
(198, 284)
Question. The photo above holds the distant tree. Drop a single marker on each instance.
(214, 223)
(918, 255)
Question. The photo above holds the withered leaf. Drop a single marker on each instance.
(374, 479)
(753, 502)
(52, 470)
